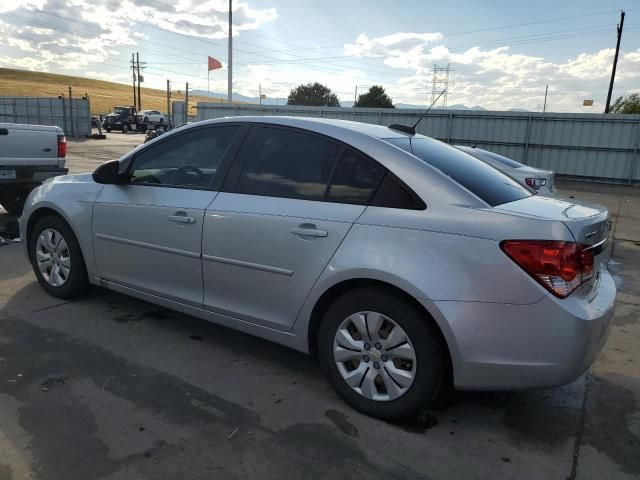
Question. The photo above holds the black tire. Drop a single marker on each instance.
(431, 359)
(12, 199)
(126, 128)
(76, 283)
(108, 130)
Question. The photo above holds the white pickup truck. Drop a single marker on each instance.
(29, 154)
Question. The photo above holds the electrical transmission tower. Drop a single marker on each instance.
(442, 81)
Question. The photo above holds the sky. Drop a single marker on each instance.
(502, 53)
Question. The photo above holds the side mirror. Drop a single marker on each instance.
(108, 173)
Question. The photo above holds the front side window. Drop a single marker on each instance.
(187, 160)
(286, 163)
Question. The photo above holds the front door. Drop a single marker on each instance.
(148, 232)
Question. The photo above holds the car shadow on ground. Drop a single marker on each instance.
(549, 416)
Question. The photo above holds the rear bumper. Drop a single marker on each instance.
(510, 347)
(32, 175)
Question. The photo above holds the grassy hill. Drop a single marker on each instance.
(102, 95)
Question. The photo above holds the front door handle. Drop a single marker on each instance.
(181, 217)
(309, 230)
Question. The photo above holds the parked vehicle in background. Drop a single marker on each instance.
(541, 181)
(127, 119)
(151, 116)
(29, 154)
(403, 263)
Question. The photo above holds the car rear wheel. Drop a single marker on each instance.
(12, 199)
(57, 259)
(383, 357)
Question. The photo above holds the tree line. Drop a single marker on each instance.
(318, 95)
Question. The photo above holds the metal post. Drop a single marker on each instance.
(168, 103)
(73, 130)
(546, 90)
(186, 103)
(636, 158)
(527, 135)
(230, 58)
(64, 115)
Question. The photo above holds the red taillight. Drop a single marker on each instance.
(559, 266)
(62, 146)
(535, 183)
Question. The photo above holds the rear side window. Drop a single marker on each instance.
(286, 163)
(489, 184)
(355, 179)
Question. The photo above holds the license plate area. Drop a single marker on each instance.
(7, 174)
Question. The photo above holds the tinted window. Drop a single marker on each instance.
(392, 193)
(355, 179)
(190, 159)
(483, 180)
(499, 158)
(286, 163)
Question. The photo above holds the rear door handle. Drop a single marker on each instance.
(181, 217)
(306, 230)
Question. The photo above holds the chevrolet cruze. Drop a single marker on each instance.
(402, 263)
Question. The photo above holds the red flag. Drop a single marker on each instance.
(214, 64)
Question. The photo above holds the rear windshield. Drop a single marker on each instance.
(483, 180)
(499, 158)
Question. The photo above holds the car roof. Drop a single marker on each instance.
(377, 131)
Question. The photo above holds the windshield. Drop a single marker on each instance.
(118, 110)
(483, 180)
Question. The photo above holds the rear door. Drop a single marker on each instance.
(148, 232)
(290, 199)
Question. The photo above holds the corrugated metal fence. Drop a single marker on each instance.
(72, 116)
(587, 146)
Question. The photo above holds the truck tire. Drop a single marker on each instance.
(12, 199)
(108, 130)
(126, 128)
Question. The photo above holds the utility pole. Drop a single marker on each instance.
(139, 81)
(355, 97)
(546, 90)
(230, 58)
(169, 102)
(133, 75)
(186, 103)
(615, 62)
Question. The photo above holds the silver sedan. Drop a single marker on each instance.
(402, 263)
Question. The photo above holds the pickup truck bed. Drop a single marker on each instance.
(29, 154)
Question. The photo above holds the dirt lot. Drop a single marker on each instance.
(108, 387)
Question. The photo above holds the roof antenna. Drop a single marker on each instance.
(412, 130)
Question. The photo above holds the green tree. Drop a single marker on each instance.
(376, 97)
(313, 95)
(628, 104)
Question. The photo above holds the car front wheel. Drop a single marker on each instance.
(57, 259)
(381, 354)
